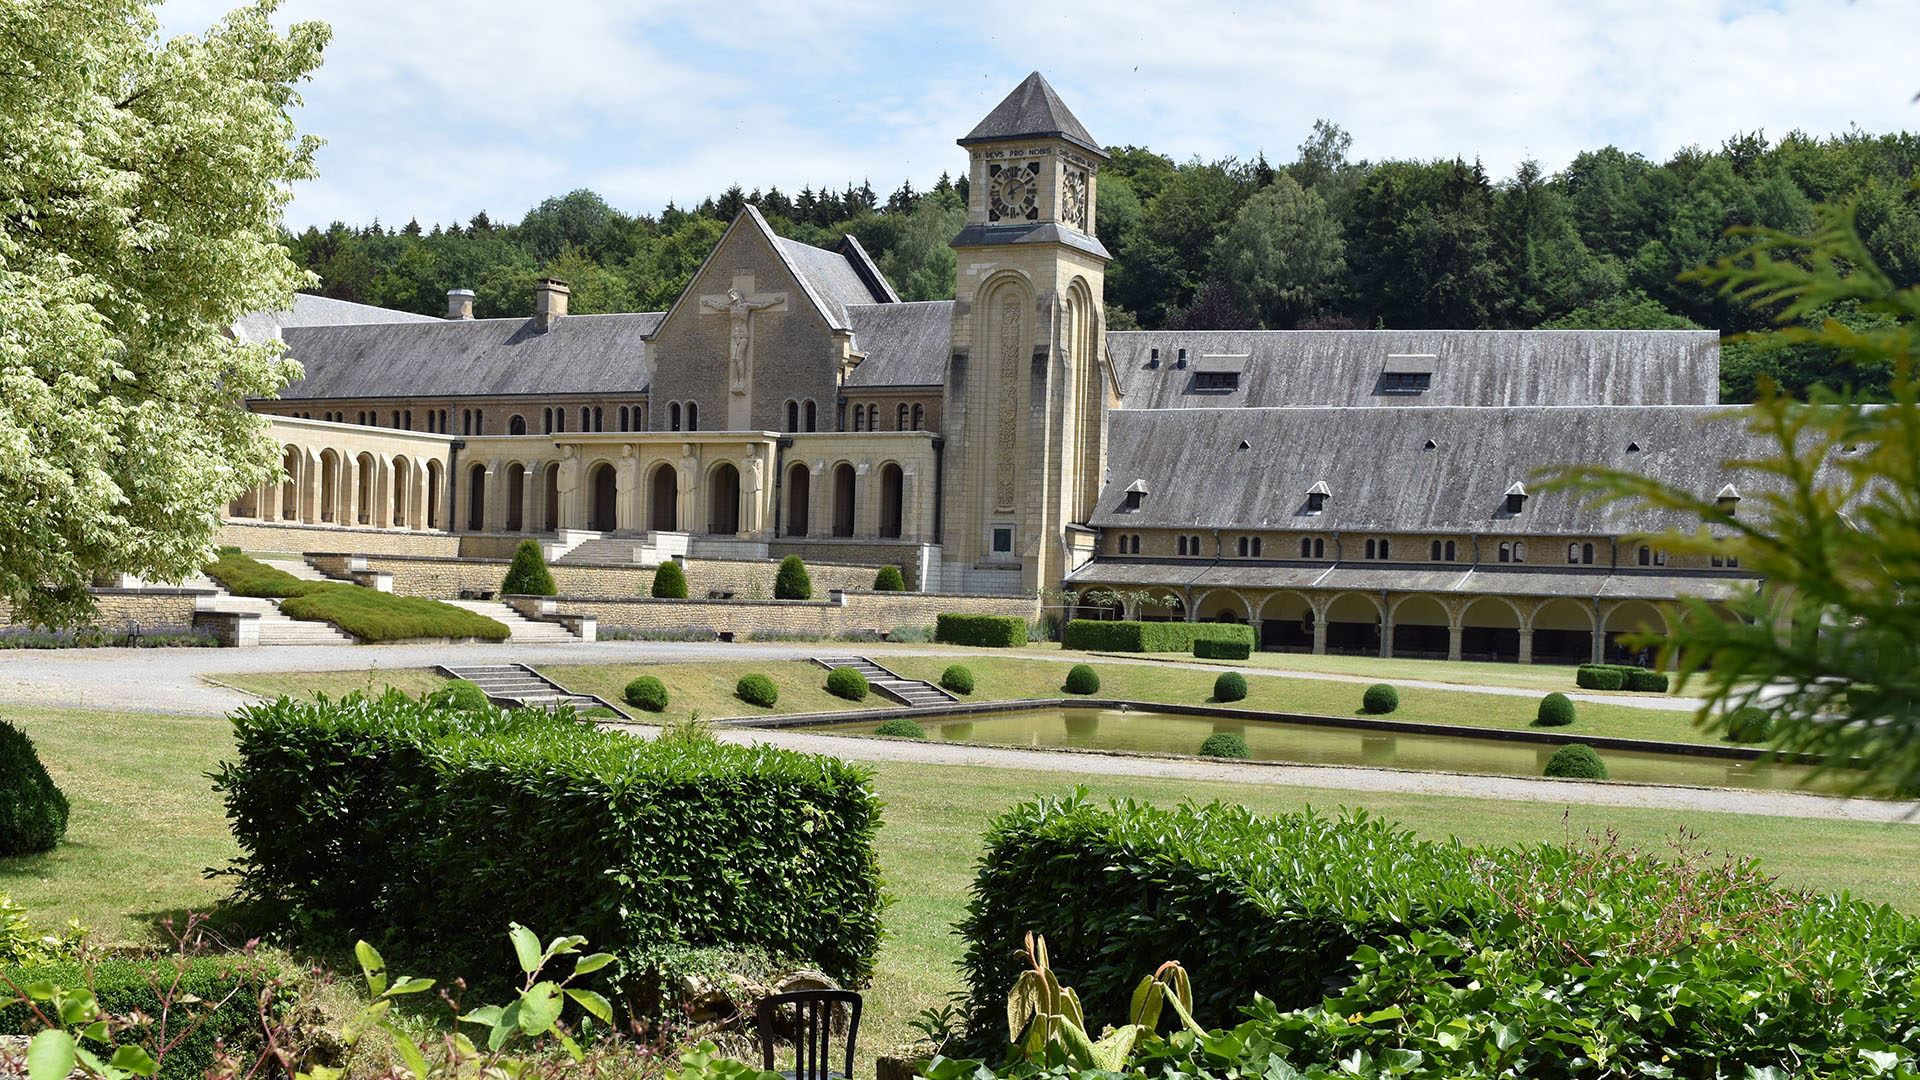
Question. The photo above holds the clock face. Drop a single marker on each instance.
(1012, 194)
(1073, 199)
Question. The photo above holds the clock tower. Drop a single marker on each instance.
(1028, 382)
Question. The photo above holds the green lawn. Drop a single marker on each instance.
(707, 688)
(334, 684)
(145, 823)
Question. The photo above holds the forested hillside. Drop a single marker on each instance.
(1318, 242)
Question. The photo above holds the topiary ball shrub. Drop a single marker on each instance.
(791, 582)
(889, 580)
(957, 679)
(528, 576)
(1576, 761)
(845, 682)
(1380, 699)
(33, 812)
(1230, 686)
(1224, 744)
(1750, 725)
(647, 692)
(669, 581)
(1082, 679)
(1556, 710)
(462, 695)
(901, 728)
(757, 690)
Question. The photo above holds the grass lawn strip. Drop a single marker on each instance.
(145, 824)
(365, 613)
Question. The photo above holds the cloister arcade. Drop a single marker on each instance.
(1430, 626)
(333, 475)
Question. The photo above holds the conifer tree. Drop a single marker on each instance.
(528, 576)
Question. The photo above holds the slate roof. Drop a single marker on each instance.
(581, 354)
(906, 344)
(1044, 233)
(319, 311)
(1470, 367)
(1032, 111)
(1380, 476)
(830, 276)
(1483, 580)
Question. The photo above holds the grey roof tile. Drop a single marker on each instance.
(1033, 110)
(906, 344)
(1049, 232)
(311, 310)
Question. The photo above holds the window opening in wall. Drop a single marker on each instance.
(1431, 445)
(1633, 448)
(1319, 548)
(623, 418)
(479, 422)
(1217, 380)
(409, 416)
(1506, 552)
(1433, 552)
(1182, 361)
(793, 416)
(1659, 557)
(1002, 541)
(1586, 554)
(919, 417)
(1306, 547)
(1370, 549)
(693, 417)
(1450, 551)
(1646, 556)
(599, 419)
(1573, 553)
(1243, 547)
(1406, 382)
(1194, 543)
(900, 421)
(1516, 502)
(560, 419)
(1519, 551)
(516, 425)
(1383, 548)
(396, 418)
(673, 412)
(810, 426)
(466, 421)
(586, 419)
(1135, 549)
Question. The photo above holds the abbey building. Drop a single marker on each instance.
(1364, 491)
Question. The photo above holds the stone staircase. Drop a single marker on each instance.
(518, 686)
(275, 628)
(621, 550)
(521, 630)
(294, 565)
(915, 693)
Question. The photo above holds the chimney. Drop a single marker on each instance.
(549, 302)
(459, 303)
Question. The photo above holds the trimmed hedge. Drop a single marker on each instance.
(846, 682)
(647, 692)
(1750, 725)
(901, 728)
(1109, 635)
(1224, 744)
(462, 694)
(957, 678)
(364, 613)
(1230, 686)
(528, 576)
(1620, 677)
(1556, 710)
(383, 817)
(124, 986)
(1212, 649)
(1380, 699)
(791, 582)
(758, 690)
(1576, 761)
(33, 811)
(889, 580)
(987, 631)
(669, 581)
(1082, 679)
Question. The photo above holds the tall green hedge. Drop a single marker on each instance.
(381, 815)
(990, 631)
(1207, 648)
(1125, 636)
(528, 576)
(228, 990)
(1620, 677)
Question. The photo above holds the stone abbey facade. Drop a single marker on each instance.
(1363, 491)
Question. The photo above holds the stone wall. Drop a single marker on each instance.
(158, 610)
(877, 553)
(447, 578)
(858, 611)
(264, 536)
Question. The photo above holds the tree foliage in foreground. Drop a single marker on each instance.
(1830, 646)
(141, 191)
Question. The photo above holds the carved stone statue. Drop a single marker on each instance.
(741, 308)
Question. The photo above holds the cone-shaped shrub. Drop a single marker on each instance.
(901, 728)
(957, 678)
(889, 580)
(1082, 679)
(33, 812)
(528, 576)
(647, 692)
(791, 582)
(1224, 744)
(845, 682)
(757, 690)
(669, 581)
(1576, 761)
(1556, 710)
(1230, 686)
(1380, 698)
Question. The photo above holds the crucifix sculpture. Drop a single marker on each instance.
(739, 303)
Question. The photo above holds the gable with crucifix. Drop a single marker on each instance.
(764, 321)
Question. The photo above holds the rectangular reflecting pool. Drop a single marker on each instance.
(1310, 744)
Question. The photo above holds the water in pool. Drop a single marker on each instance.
(1164, 733)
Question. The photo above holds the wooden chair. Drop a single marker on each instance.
(812, 1031)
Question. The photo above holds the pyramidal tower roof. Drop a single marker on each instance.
(1032, 111)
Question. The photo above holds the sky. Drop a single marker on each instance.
(436, 111)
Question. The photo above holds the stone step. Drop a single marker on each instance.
(519, 628)
(623, 550)
(916, 693)
(518, 684)
(299, 568)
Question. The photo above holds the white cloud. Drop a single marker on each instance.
(437, 111)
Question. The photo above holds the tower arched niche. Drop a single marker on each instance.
(1081, 337)
(1002, 342)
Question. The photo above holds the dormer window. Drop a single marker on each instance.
(1407, 373)
(1217, 380)
(1136, 493)
(1633, 448)
(1516, 498)
(1317, 497)
(1728, 500)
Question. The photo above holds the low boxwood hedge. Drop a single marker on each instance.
(381, 816)
(757, 689)
(1108, 635)
(1224, 744)
(1620, 677)
(848, 683)
(1230, 686)
(958, 678)
(989, 631)
(1576, 761)
(901, 727)
(1219, 649)
(1556, 710)
(219, 994)
(647, 692)
(378, 616)
(1082, 679)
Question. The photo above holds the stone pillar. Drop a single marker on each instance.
(269, 502)
(1386, 636)
(309, 498)
(1319, 636)
(347, 510)
(1454, 632)
(1599, 645)
(912, 526)
(625, 487)
(1256, 624)
(495, 517)
(419, 499)
(819, 500)
(1526, 645)
(866, 508)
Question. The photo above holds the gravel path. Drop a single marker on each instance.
(177, 681)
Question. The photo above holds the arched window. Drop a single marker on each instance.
(396, 418)
(1194, 543)
(1519, 551)
(1449, 551)
(1306, 547)
(810, 415)
(1183, 545)
(693, 417)
(466, 421)
(1506, 552)
(673, 413)
(1646, 555)
(919, 417)
(1383, 549)
(446, 428)
(900, 422)
(1136, 545)
(586, 419)
(1256, 547)
(409, 416)
(560, 419)
(859, 417)
(1586, 554)
(599, 419)
(1243, 547)
(1434, 552)
(793, 415)
(1659, 557)
(1573, 553)
(1370, 549)
(516, 425)
(623, 418)
(1320, 548)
